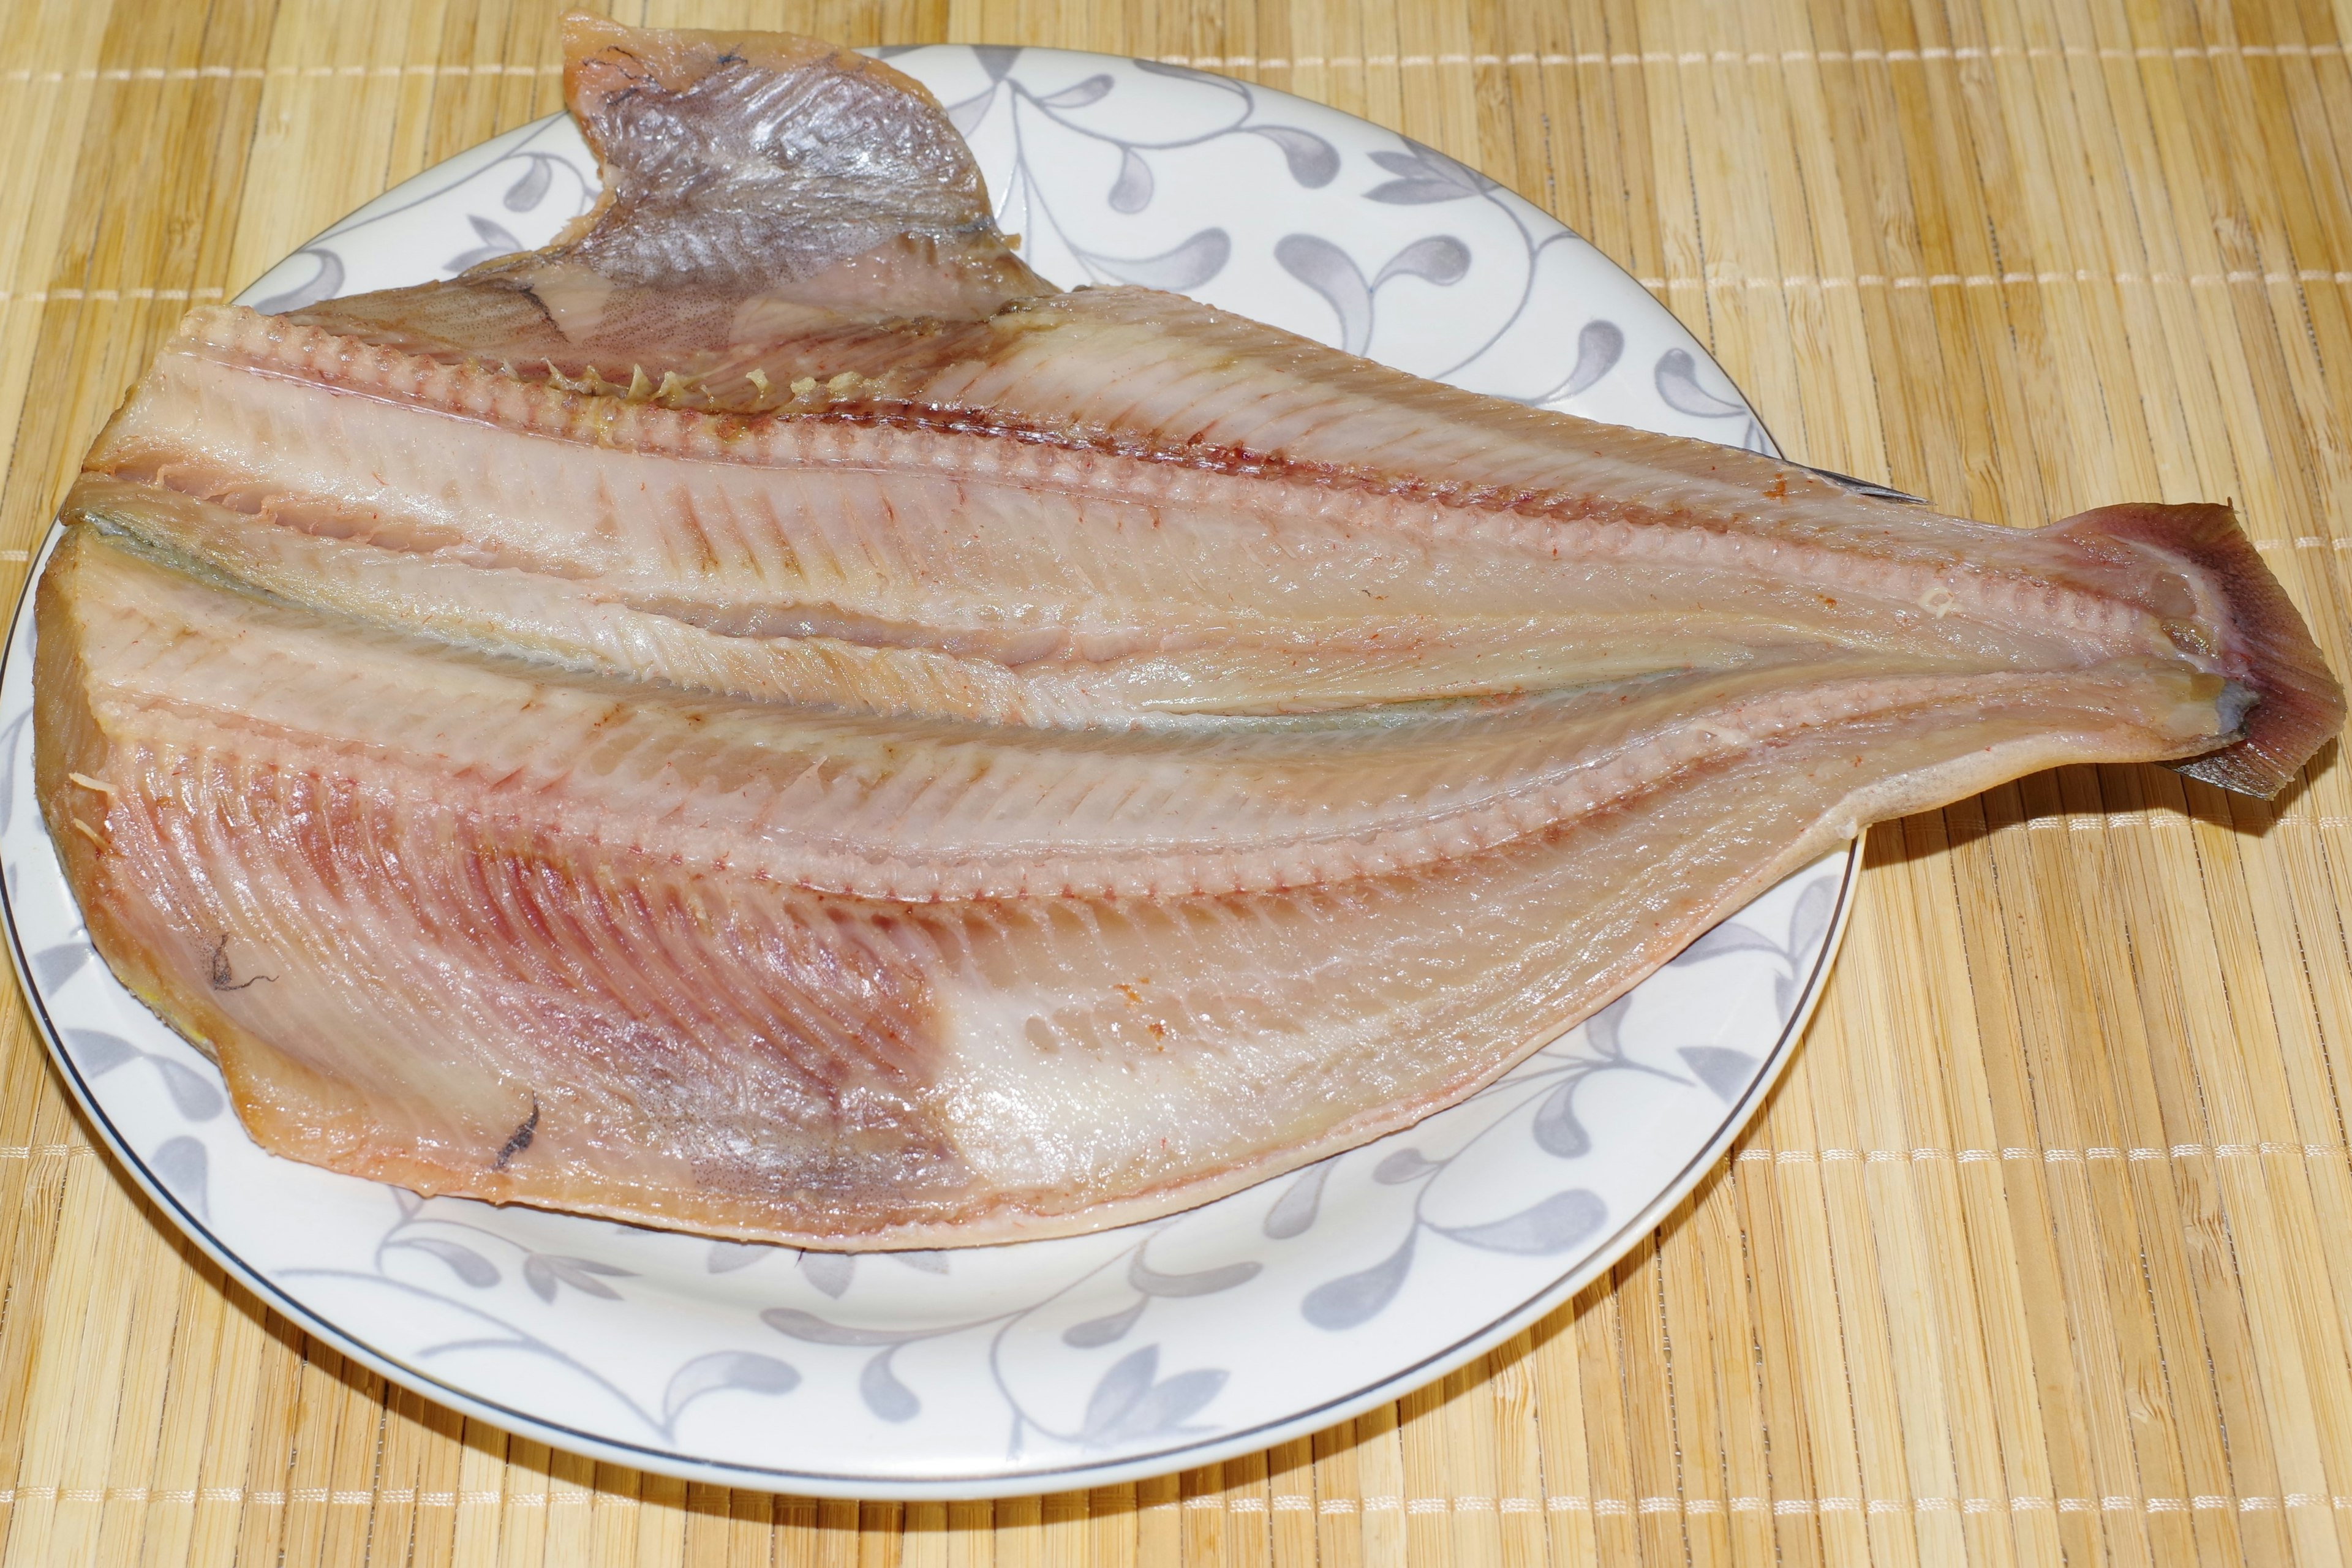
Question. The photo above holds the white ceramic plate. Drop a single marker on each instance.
(1058, 1364)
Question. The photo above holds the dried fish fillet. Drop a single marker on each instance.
(766, 717)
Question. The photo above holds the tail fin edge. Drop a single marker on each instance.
(2298, 704)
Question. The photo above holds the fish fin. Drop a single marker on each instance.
(2297, 704)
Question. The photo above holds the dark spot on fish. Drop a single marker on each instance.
(527, 292)
(218, 969)
(729, 58)
(519, 1139)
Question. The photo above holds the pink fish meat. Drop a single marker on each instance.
(767, 718)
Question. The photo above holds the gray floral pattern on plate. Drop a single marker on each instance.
(1090, 1359)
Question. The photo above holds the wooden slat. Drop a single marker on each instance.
(2042, 1247)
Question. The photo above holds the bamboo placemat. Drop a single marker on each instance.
(2043, 1247)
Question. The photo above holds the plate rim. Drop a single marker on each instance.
(1076, 1474)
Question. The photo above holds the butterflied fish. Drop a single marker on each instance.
(768, 718)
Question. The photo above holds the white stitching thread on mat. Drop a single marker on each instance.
(1618, 1508)
(1756, 1156)
(256, 73)
(1999, 279)
(1761, 57)
(276, 1499)
(1318, 62)
(1793, 280)
(43, 296)
(2057, 1156)
(1285, 1503)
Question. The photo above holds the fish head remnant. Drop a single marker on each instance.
(750, 162)
(748, 174)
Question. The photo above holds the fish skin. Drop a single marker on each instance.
(1022, 762)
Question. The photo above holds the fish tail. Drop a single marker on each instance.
(2296, 704)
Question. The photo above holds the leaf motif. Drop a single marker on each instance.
(727, 1257)
(1677, 379)
(1557, 1222)
(1358, 1298)
(884, 1394)
(12, 740)
(1096, 1332)
(1162, 1410)
(1419, 161)
(1729, 936)
(194, 1095)
(830, 1272)
(97, 1053)
(52, 966)
(1131, 192)
(747, 1370)
(497, 241)
(1784, 994)
(1078, 95)
(1602, 1030)
(1415, 192)
(996, 58)
(1405, 1165)
(968, 113)
(925, 1261)
(1186, 266)
(1294, 1212)
(492, 232)
(1314, 162)
(527, 192)
(474, 257)
(1206, 1282)
(1127, 1404)
(1809, 920)
(181, 1166)
(1556, 1129)
(582, 1274)
(540, 1275)
(817, 1331)
(1720, 1068)
(1118, 1390)
(1598, 348)
(1439, 258)
(406, 1202)
(465, 1262)
(1331, 272)
(1186, 73)
(325, 284)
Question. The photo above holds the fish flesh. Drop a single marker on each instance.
(767, 718)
